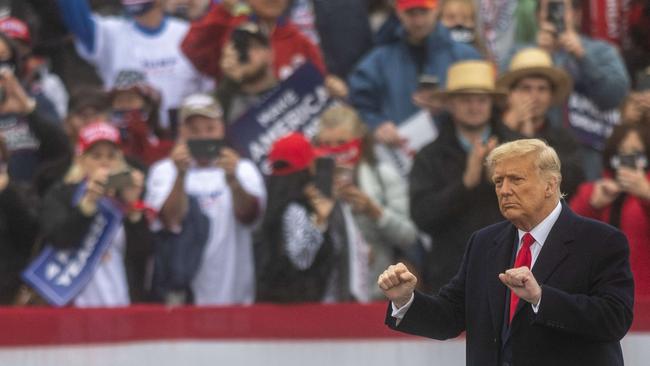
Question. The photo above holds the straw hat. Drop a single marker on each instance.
(471, 77)
(537, 62)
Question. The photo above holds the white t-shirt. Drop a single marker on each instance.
(226, 274)
(108, 286)
(121, 45)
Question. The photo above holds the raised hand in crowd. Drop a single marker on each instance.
(336, 86)
(398, 284)
(228, 161)
(360, 201)
(230, 65)
(132, 194)
(605, 192)
(16, 100)
(636, 107)
(181, 157)
(388, 134)
(634, 182)
(475, 162)
(551, 39)
(95, 189)
(520, 115)
(321, 205)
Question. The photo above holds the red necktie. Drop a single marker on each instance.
(524, 258)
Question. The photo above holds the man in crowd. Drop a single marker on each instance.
(449, 191)
(546, 287)
(146, 41)
(230, 192)
(598, 71)
(205, 42)
(247, 82)
(534, 85)
(382, 84)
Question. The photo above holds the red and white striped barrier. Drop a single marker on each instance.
(269, 335)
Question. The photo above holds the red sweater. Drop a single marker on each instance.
(207, 36)
(635, 223)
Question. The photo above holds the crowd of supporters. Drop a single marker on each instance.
(126, 105)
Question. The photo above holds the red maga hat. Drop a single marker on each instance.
(290, 154)
(410, 4)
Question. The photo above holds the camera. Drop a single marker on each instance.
(632, 161)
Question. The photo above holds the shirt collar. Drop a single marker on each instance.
(541, 231)
(467, 145)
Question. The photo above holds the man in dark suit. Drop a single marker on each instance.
(546, 288)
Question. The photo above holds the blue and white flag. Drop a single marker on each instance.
(295, 105)
(59, 275)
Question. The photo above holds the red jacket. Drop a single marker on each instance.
(207, 36)
(635, 223)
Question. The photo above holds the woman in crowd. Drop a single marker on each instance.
(308, 248)
(135, 108)
(376, 193)
(70, 208)
(622, 196)
(460, 16)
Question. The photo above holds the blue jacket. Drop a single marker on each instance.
(600, 75)
(382, 84)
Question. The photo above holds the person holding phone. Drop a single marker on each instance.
(230, 191)
(135, 108)
(375, 192)
(70, 207)
(308, 249)
(622, 196)
(600, 79)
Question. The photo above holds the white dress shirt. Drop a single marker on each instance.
(539, 233)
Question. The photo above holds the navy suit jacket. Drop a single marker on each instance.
(585, 310)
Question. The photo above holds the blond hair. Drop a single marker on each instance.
(342, 115)
(546, 159)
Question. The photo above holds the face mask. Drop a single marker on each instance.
(347, 154)
(632, 161)
(462, 34)
(136, 9)
(123, 118)
(8, 64)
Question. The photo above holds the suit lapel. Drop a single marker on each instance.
(499, 258)
(554, 250)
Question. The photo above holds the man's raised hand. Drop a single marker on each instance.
(398, 284)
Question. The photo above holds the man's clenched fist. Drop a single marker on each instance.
(398, 284)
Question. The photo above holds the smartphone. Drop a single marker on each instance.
(555, 15)
(241, 42)
(205, 149)
(324, 177)
(119, 180)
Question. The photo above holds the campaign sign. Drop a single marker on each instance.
(590, 125)
(60, 275)
(294, 105)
